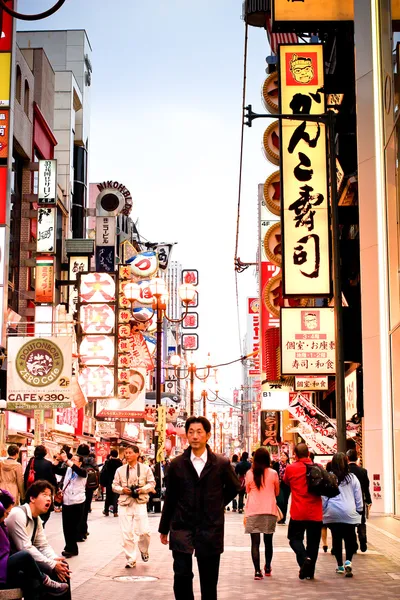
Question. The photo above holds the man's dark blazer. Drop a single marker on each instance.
(193, 512)
(362, 476)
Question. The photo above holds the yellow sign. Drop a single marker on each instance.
(315, 10)
(161, 427)
(304, 191)
(5, 76)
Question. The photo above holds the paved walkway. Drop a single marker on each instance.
(100, 563)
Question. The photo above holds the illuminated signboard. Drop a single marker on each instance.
(39, 372)
(253, 334)
(46, 230)
(4, 125)
(44, 280)
(5, 78)
(190, 341)
(307, 341)
(304, 193)
(286, 12)
(47, 186)
(190, 276)
(144, 264)
(191, 321)
(311, 384)
(350, 385)
(312, 10)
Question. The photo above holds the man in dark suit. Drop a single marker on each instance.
(362, 476)
(200, 484)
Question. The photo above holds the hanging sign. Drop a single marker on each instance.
(77, 264)
(350, 385)
(163, 253)
(311, 384)
(6, 26)
(105, 259)
(47, 186)
(4, 130)
(44, 280)
(190, 341)
(106, 231)
(253, 335)
(305, 223)
(308, 341)
(190, 276)
(5, 78)
(311, 11)
(97, 382)
(39, 372)
(191, 321)
(97, 318)
(322, 428)
(97, 287)
(130, 404)
(46, 230)
(144, 264)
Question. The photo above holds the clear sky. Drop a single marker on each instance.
(165, 121)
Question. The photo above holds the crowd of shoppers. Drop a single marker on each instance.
(198, 487)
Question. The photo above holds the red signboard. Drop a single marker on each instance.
(4, 124)
(44, 280)
(6, 29)
(268, 271)
(190, 341)
(3, 194)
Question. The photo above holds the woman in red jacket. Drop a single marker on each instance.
(262, 487)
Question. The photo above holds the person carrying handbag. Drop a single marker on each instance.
(261, 510)
(73, 493)
(133, 482)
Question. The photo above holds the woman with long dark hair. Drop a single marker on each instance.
(262, 487)
(342, 514)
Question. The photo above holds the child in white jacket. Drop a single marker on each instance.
(342, 514)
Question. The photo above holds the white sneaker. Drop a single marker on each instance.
(348, 569)
(131, 564)
(54, 588)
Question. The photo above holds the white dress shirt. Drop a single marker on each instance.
(199, 462)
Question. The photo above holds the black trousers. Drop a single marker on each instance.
(296, 531)
(241, 499)
(362, 531)
(83, 527)
(183, 575)
(71, 521)
(111, 500)
(343, 532)
(283, 498)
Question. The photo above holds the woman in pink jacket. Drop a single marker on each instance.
(262, 487)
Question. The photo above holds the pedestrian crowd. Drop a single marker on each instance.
(198, 487)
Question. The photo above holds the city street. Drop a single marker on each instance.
(97, 570)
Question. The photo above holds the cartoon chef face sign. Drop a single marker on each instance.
(301, 69)
(309, 321)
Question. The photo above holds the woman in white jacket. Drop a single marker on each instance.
(74, 496)
(342, 514)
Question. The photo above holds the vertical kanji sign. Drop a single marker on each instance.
(305, 222)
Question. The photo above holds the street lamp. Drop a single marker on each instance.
(3, 406)
(175, 361)
(158, 288)
(37, 17)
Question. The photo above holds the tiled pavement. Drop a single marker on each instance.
(376, 575)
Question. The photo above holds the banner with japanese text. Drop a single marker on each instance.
(39, 372)
(304, 191)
